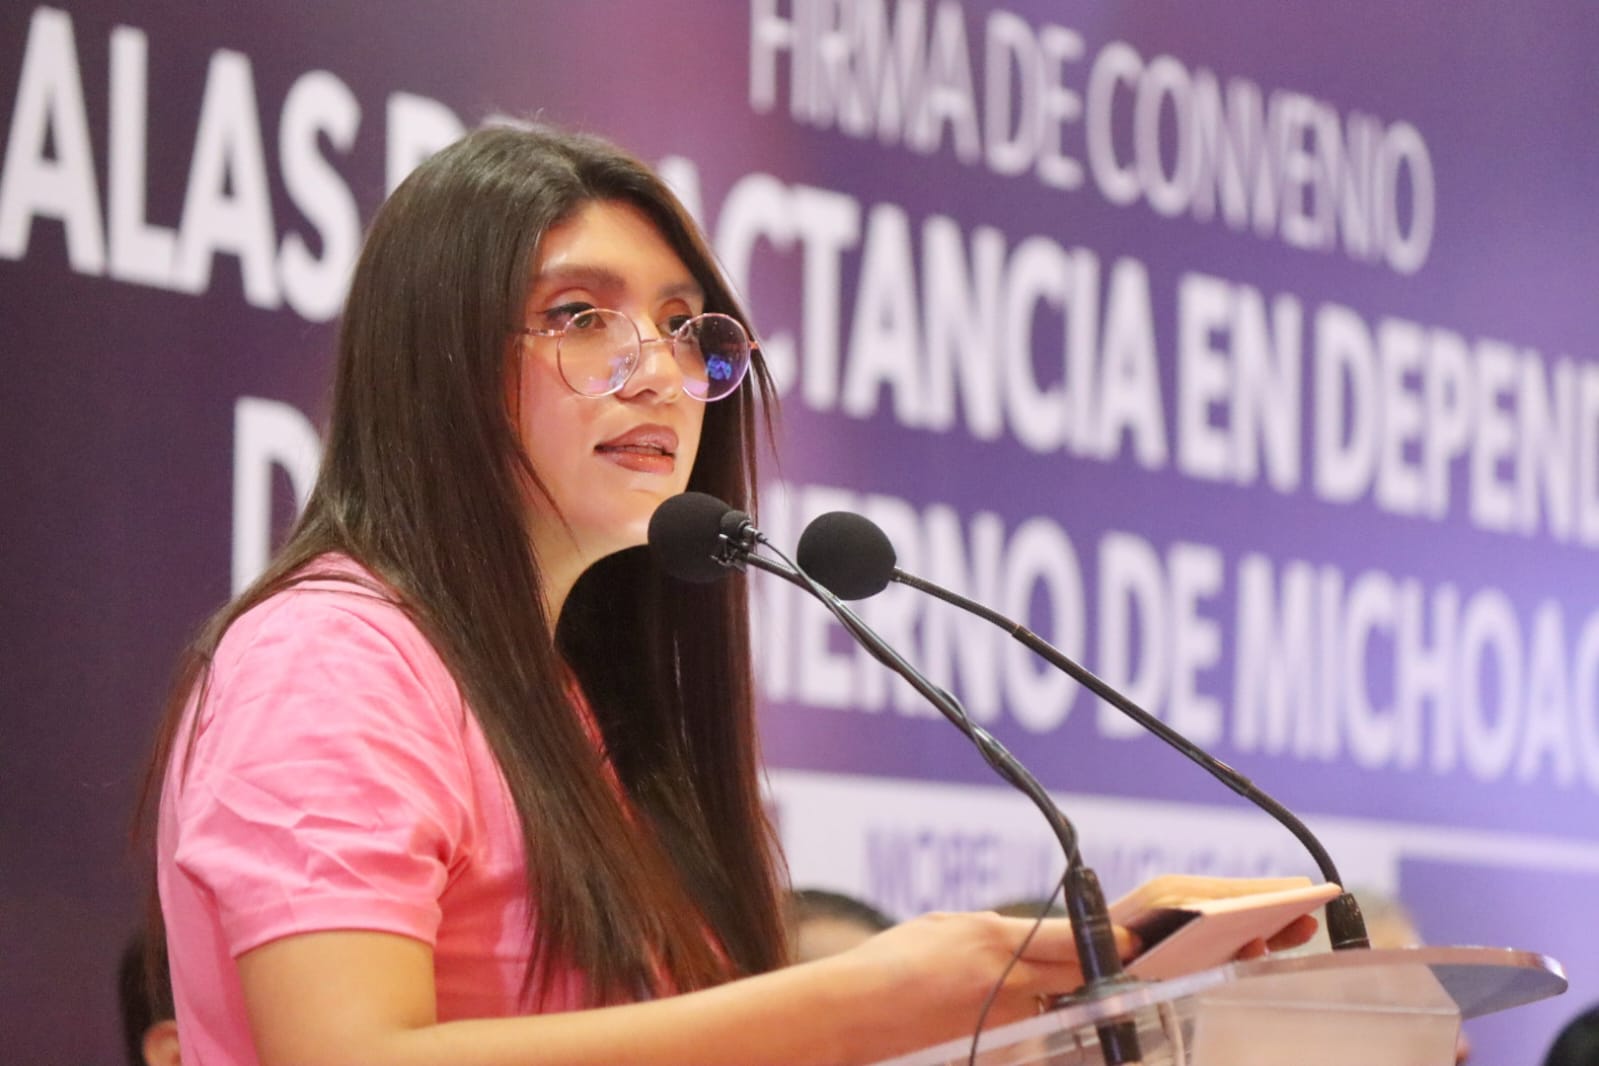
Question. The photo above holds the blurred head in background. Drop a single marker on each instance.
(149, 1030)
(820, 923)
(1578, 1042)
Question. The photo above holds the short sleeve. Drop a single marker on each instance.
(328, 786)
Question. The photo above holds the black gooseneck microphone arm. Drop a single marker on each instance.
(993, 752)
(1345, 926)
(739, 537)
(1085, 899)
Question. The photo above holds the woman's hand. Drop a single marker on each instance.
(937, 970)
(1297, 932)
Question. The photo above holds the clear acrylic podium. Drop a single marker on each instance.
(1372, 1007)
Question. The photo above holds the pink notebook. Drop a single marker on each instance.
(1193, 923)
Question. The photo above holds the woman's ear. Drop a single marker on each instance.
(161, 1044)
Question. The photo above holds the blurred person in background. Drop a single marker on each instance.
(819, 923)
(1578, 1042)
(1032, 908)
(149, 1023)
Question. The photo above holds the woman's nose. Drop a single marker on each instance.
(657, 369)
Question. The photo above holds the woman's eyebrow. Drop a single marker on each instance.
(682, 290)
(601, 279)
(597, 279)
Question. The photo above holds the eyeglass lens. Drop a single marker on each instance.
(599, 350)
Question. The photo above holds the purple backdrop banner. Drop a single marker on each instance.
(1245, 351)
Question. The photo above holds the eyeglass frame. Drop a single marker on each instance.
(671, 339)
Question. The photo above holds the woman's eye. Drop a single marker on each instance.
(677, 322)
(560, 317)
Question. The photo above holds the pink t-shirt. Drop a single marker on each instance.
(338, 781)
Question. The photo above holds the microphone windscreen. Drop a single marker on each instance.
(686, 536)
(848, 554)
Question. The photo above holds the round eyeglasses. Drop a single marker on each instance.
(598, 350)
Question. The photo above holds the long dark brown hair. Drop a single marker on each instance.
(424, 482)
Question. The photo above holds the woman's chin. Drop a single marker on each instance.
(629, 531)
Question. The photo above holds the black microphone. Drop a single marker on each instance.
(849, 554)
(698, 537)
(695, 537)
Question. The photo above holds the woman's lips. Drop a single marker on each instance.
(647, 449)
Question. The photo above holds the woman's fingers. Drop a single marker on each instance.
(1044, 979)
(1054, 941)
(950, 964)
(1252, 950)
(1029, 989)
(1297, 933)
(1294, 934)
(1013, 1007)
